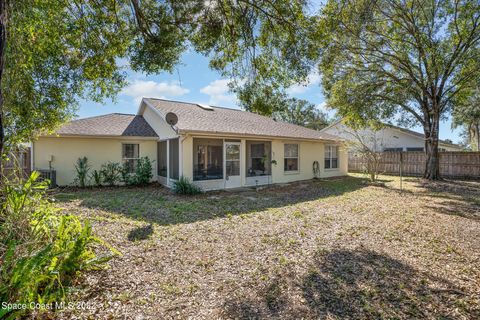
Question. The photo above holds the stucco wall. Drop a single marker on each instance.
(384, 138)
(66, 151)
(308, 153)
(163, 129)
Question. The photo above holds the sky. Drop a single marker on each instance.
(194, 81)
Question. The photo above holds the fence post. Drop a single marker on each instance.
(401, 171)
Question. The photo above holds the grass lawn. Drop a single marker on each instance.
(331, 249)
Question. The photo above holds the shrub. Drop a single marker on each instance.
(126, 175)
(42, 251)
(97, 178)
(142, 175)
(143, 171)
(111, 172)
(82, 167)
(185, 186)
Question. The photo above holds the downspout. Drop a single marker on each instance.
(32, 163)
(180, 155)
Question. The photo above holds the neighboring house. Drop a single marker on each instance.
(215, 147)
(389, 138)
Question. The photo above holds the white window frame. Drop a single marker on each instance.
(297, 157)
(328, 149)
(124, 159)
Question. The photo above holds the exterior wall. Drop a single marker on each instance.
(308, 153)
(163, 129)
(384, 138)
(66, 151)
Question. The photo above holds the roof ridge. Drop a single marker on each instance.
(168, 100)
(124, 114)
(197, 103)
(102, 115)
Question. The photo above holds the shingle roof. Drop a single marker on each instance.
(113, 124)
(193, 118)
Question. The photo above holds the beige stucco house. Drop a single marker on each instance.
(388, 138)
(215, 147)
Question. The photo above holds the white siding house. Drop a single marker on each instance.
(390, 138)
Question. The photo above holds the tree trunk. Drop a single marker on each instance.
(3, 39)
(474, 134)
(432, 163)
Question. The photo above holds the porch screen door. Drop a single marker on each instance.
(232, 165)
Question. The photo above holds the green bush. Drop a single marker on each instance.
(82, 167)
(142, 175)
(185, 186)
(111, 173)
(42, 251)
(143, 171)
(97, 178)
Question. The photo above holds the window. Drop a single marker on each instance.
(258, 158)
(162, 158)
(331, 157)
(130, 155)
(415, 149)
(207, 159)
(290, 157)
(174, 161)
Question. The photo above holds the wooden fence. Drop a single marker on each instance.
(465, 165)
(18, 160)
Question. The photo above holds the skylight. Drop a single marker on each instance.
(205, 106)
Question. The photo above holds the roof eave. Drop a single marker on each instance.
(241, 135)
(97, 136)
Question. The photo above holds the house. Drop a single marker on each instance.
(389, 138)
(214, 147)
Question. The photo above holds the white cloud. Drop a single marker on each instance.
(151, 89)
(313, 79)
(219, 92)
(322, 106)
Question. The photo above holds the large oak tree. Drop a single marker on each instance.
(55, 52)
(382, 59)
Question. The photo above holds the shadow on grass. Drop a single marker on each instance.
(355, 284)
(452, 197)
(140, 233)
(156, 204)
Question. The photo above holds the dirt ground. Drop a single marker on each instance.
(329, 249)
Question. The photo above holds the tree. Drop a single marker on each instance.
(366, 142)
(301, 112)
(383, 58)
(55, 52)
(467, 115)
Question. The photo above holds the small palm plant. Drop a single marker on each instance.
(82, 168)
(97, 178)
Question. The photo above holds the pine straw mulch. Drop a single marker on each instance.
(330, 249)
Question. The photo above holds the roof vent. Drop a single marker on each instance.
(205, 106)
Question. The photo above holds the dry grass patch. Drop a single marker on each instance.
(320, 249)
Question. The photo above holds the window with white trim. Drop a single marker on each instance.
(331, 157)
(130, 156)
(290, 157)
